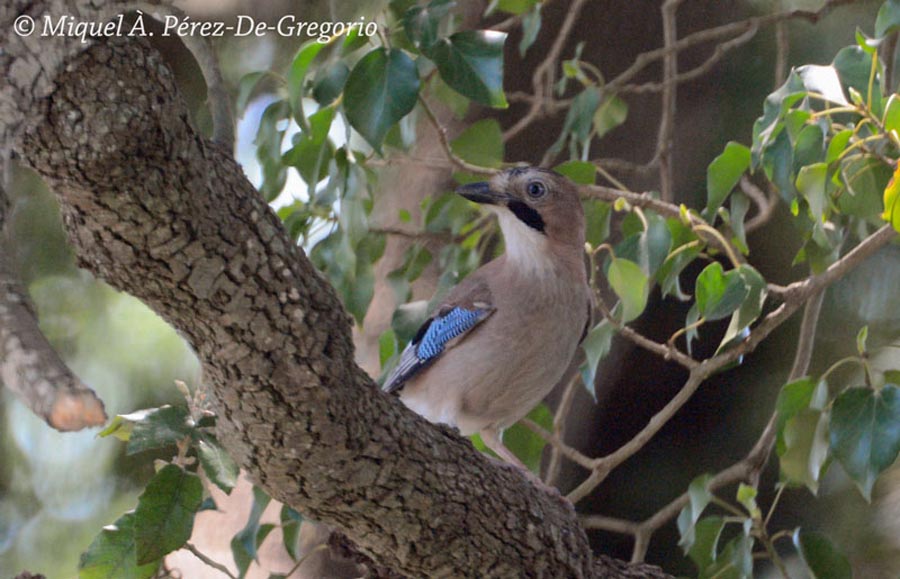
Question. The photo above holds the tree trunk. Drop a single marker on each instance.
(158, 211)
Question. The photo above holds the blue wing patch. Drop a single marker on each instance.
(443, 329)
(430, 342)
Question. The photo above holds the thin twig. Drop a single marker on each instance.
(665, 137)
(445, 143)
(554, 467)
(542, 80)
(718, 54)
(782, 52)
(795, 296)
(765, 204)
(215, 565)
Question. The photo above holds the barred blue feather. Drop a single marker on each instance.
(443, 329)
(430, 342)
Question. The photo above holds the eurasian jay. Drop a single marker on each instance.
(503, 337)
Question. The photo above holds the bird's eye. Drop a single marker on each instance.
(536, 189)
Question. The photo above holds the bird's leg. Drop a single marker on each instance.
(491, 439)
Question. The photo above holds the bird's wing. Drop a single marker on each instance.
(466, 306)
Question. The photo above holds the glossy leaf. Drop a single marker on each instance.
(891, 119)
(854, 67)
(382, 89)
(724, 173)
(111, 555)
(329, 83)
(811, 185)
(290, 530)
(794, 397)
(164, 517)
(471, 63)
(611, 113)
(531, 26)
(524, 443)
(865, 433)
(596, 346)
(805, 448)
(580, 172)
(704, 551)
(752, 305)
(481, 144)
(866, 178)
(579, 118)
(699, 497)
(888, 19)
(219, 467)
(158, 427)
(719, 294)
(297, 76)
(820, 556)
(421, 23)
(892, 201)
(244, 545)
(630, 283)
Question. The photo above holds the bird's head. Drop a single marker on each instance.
(539, 211)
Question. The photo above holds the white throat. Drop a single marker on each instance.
(526, 248)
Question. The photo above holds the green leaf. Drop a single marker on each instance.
(811, 185)
(217, 464)
(892, 201)
(719, 294)
(421, 23)
(382, 89)
(837, 145)
(387, 346)
(654, 244)
(158, 427)
(861, 338)
(297, 76)
(809, 147)
(111, 554)
(471, 63)
(630, 283)
(524, 443)
(888, 19)
(329, 82)
(244, 545)
(891, 119)
(724, 173)
(820, 556)
(513, 6)
(746, 495)
(752, 305)
(794, 397)
(579, 118)
(596, 346)
(290, 530)
(246, 87)
(806, 448)
(531, 26)
(703, 551)
(164, 517)
(699, 497)
(865, 433)
(611, 113)
(854, 67)
(579, 172)
(481, 144)
(866, 179)
(312, 150)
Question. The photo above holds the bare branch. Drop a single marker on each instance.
(445, 143)
(765, 204)
(29, 366)
(542, 80)
(665, 138)
(559, 423)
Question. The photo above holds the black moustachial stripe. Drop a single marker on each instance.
(527, 215)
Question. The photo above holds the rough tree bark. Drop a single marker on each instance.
(159, 212)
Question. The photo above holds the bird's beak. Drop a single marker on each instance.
(481, 193)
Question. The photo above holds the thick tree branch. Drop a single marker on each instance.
(29, 366)
(159, 212)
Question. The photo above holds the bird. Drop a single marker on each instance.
(505, 335)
